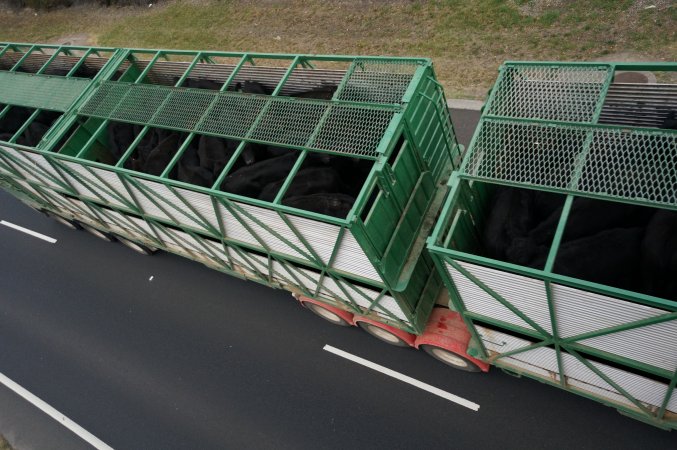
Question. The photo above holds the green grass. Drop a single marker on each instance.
(466, 39)
(4, 445)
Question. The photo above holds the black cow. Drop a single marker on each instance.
(160, 156)
(330, 204)
(510, 217)
(659, 255)
(250, 180)
(586, 218)
(609, 257)
(322, 93)
(310, 180)
(670, 121)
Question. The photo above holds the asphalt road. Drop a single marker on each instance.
(193, 358)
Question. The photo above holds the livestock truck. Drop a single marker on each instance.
(546, 249)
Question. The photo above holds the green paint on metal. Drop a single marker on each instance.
(40, 91)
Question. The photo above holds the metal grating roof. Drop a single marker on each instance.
(312, 124)
(522, 140)
(40, 91)
(378, 81)
(619, 163)
(563, 93)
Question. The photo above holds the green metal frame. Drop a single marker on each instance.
(454, 237)
(383, 106)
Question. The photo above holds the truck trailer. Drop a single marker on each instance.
(546, 249)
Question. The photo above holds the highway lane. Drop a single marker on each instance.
(196, 359)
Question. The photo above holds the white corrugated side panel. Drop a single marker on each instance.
(189, 242)
(142, 224)
(259, 262)
(174, 244)
(240, 261)
(539, 361)
(202, 204)
(4, 169)
(80, 208)
(95, 185)
(352, 259)
(170, 202)
(147, 206)
(672, 403)
(525, 294)
(642, 388)
(27, 187)
(272, 220)
(218, 249)
(543, 361)
(282, 275)
(84, 189)
(385, 305)
(38, 173)
(121, 222)
(581, 312)
(320, 235)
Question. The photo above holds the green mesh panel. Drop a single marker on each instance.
(40, 91)
(563, 93)
(615, 162)
(312, 124)
(378, 81)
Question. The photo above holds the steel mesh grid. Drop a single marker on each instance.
(353, 130)
(637, 164)
(40, 91)
(526, 153)
(313, 124)
(378, 81)
(233, 116)
(613, 162)
(564, 93)
(287, 123)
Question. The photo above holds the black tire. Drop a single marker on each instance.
(138, 248)
(104, 236)
(382, 334)
(326, 314)
(450, 358)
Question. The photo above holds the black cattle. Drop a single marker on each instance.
(252, 87)
(214, 153)
(120, 137)
(310, 180)
(14, 119)
(609, 257)
(33, 134)
(330, 204)
(198, 83)
(586, 218)
(250, 180)
(670, 121)
(189, 169)
(322, 93)
(160, 156)
(510, 217)
(659, 255)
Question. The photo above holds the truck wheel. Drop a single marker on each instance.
(326, 314)
(383, 335)
(139, 248)
(73, 225)
(451, 359)
(100, 234)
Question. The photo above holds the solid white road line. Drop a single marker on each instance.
(391, 373)
(27, 231)
(54, 414)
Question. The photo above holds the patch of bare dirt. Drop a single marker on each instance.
(77, 39)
